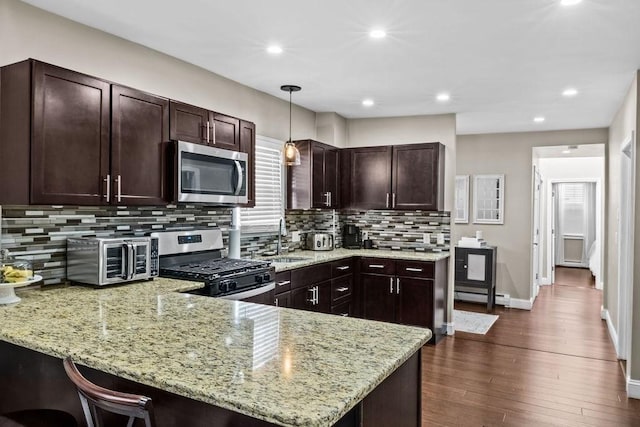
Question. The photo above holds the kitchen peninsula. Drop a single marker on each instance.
(207, 361)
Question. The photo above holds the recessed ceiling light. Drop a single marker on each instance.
(274, 49)
(538, 119)
(368, 102)
(377, 34)
(570, 92)
(443, 97)
(570, 2)
(566, 151)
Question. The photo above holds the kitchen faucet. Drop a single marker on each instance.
(282, 231)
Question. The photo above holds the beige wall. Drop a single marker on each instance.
(28, 32)
(331, 128)
(511, 154)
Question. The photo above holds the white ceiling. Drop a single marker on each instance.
(503, 61)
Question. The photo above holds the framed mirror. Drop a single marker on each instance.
(461, 211)
(488, 199)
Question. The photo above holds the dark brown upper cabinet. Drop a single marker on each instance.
(315, 182)
(200, 126)
(394, 177)
(248, 145)
(139, 132)
(86, 142)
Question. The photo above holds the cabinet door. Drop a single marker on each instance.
(225, 131)
(248, 145)
(70, 137)
(319, 197)
(188, 123)
(371, 178)
(331, 177)
(323, 294)
(418, 177)
(379, 299)
(415, 302)
(283, 299)
(302, 298)
(139, 134)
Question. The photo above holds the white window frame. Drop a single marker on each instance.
(462, 199)
(479, 202)
(247, 222)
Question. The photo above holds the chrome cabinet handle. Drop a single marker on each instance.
(387, 202)
(344, 314)
(240, 177)
(326, 202)
(317, 298)
(417, 270)
(342, 289)
(393, 203)
(131, 262)
(108, 181)
(343, 267)
(398, 286)
(376, 266)
(213, 126)
(390, 285)
(208, 130)
(119, 186)
(283, 283)
(330, 198)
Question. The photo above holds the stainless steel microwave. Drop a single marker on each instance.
(105, 261)
(208, 174)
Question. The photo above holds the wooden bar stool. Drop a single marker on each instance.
(38, 418)
(96, 399)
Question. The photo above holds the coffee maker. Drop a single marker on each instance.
(351, 237)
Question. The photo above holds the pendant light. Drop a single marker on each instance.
(291, 153)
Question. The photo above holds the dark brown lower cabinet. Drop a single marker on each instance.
(283, 299)
(414, 301)
(316, 297)
(379, 298)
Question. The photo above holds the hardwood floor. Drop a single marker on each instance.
(551, 366)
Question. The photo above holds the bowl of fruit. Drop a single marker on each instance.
(14, 273)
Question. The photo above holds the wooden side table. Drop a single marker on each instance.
(476, 268)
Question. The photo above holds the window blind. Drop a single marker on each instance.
(269, 208)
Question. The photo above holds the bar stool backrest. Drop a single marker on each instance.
(95, 399)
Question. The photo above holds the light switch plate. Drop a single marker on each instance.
(295, 236)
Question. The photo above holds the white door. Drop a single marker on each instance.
(535, 239)
(553, 225)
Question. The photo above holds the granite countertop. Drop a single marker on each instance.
(289, 367)
(318, 257)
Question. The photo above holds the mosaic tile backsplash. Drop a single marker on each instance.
(39, 233)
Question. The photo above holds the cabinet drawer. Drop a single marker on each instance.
(341, 288)
(342, 267)
(377, 265)
(424, 270)
(310, 275)
(342, 309)
(283, 281)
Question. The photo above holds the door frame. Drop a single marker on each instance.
(551, 232)
(625, 226)
(536, 235)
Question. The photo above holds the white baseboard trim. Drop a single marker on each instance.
(449, 328)
(545, 281)
(603, 313)
(599, 286)
(501, 299)
(633, 389)
(612, 331)
(522, 304)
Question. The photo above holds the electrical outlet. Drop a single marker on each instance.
(365, 235)
(426, 238)
(295, 236)
(440, 238)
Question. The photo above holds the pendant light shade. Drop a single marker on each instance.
(291, 153)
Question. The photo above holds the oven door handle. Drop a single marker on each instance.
(240, 177)
(251, 293)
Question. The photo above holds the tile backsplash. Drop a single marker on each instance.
(39, 233)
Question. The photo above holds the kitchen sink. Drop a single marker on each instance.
(288, 259)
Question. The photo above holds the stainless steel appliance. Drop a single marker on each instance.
(105, 261)
(320, 241)
(197, 255)
(206, 174)
(351, 237)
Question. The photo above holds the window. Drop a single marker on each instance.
(488, 199)
(269, 208)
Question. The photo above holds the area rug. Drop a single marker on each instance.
(474, 323)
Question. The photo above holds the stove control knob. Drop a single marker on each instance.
(233, 285)
(266, 277)
(259, 278)
(223, 286)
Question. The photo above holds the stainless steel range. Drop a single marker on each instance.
(197, 255)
